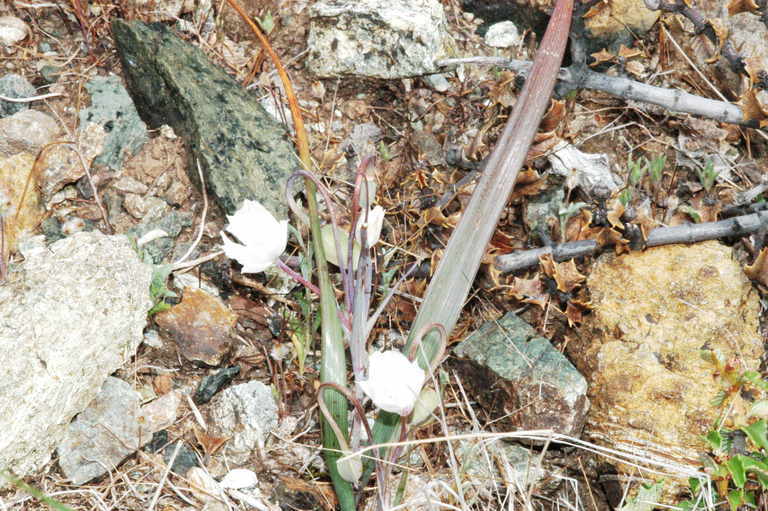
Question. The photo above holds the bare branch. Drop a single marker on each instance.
(685, 233)
(579, 77)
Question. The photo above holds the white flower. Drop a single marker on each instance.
(394, 382)
(263, 237)
(373, 229)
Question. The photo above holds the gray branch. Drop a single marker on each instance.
(685, 233)
(583, 78)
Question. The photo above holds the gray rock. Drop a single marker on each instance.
(242, 151)
(520, 375)
(26, 131)
(247, 413)
(103, 434)
(376, 38)
(78, 309)
(112, 108)
(14, 86)
(172, 223)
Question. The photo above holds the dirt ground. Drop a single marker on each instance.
(421, 128)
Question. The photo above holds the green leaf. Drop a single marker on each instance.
(715, 440)
(735, 499)
(691, 212)
(757, 432)
(736, 469)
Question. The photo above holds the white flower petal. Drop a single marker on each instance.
(394, 382)
(375, 220)
(263, 238)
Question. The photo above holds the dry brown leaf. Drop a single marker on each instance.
(721, 31)
(209, 443)
(758, 271)
(529, 182)
(554, 115)
(646, 222)
(163, 384)
(566, 275)
(737, 6)
(602, 56)
(629, 53)
(595, 9)
(529, 291)
(547, 142)
(752, 109)
(707, 209)
(577, 224)
(615, 210)
(574, 313)
(502, 91)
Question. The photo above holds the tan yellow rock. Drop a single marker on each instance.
(18, 216)
(618, 15)
(654, 313)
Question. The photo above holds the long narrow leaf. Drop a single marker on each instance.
(451, 283)
(333, 365)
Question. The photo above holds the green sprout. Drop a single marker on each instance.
(707, 175)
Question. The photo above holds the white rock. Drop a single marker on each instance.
(12, 30)
(239, 478)
(378, 38)
(26, 131)
(503, 35)
(159, 414)
(247, 413)
(78, 310)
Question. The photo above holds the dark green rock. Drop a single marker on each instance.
(213, 383)
(243, 152)
(518, 375)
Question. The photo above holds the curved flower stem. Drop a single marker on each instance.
(438, 355)
(297, 276)
(380, 476)
(332, 214)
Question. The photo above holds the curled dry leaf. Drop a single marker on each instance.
(629, 53)
(566, 275)
(720, 30)
(615, 210)
(574, 314)
(758, 271)
(737, 6)
(602, 56)
(529, 291)
(752, 109)
(554, 115)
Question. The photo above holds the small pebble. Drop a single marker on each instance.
(12, 30)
